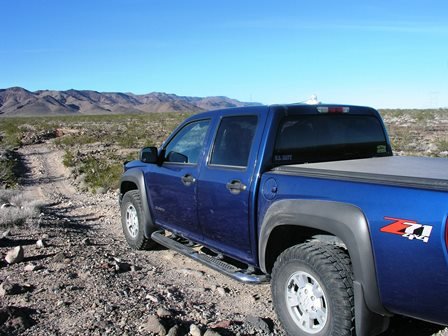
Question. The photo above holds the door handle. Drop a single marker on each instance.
(235, 187)
(188, 180)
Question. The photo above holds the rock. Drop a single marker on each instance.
(194, 330)
(221, 324)
(72, 275)
(108, 308)
(258, 324)
(162, 312)
(153, 325)
(221, 291)
(59, 257)
(31, 267)
(7, 288)
(121, 267)
(152, 298)
(190, 272)
(210, 332)
(101, 190)
(14, 320)
(58, 132)
(86, 242)
(41, 243)
(174, 331)
(7, 205)
(6, 233)
(15, 255)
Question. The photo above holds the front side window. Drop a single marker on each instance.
(234, 141)
(187, 144)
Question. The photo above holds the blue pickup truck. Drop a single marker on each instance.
(308, 197)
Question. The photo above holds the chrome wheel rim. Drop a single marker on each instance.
(307, 304)
(132, 221)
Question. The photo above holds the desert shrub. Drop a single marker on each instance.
(10, 133)
(7, 176)
(101, 174)
(391, 113)
(401, 139)
(68, 159)
(97, 146)
(16, 208)
(442, 145)
(423, 116)
(8, 169)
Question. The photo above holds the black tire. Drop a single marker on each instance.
(327, 309)
(133, 221)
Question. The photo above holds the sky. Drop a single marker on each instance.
(383, 53)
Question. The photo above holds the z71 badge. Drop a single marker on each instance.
(408, 228)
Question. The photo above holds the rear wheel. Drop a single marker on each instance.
(312, 290)
(133, 221)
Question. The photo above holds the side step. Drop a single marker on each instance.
(210, 261)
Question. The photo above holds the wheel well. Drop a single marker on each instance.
(127, 186)
(285, 236)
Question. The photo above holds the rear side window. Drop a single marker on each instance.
(234, 141)
(317, 138)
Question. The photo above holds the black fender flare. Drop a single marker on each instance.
(349, 224)
(136, 177)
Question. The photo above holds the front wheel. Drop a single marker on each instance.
(133, 221)
(312, 290)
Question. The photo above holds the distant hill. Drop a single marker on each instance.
(17, 101)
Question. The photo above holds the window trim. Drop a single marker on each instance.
(185, 164)
(227, 167)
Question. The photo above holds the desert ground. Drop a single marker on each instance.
(78, 276)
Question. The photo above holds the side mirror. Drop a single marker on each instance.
(149, 155)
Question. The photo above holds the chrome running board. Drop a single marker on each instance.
(183, 246)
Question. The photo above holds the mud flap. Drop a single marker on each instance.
(367, 322)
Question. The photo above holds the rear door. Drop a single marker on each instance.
(225, 186)
(173, 185)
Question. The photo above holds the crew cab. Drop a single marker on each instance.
(308, 197)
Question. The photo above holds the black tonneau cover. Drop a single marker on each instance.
(406, 171)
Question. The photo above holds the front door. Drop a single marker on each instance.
(173, 185)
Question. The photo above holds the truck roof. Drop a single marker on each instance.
(298, 108)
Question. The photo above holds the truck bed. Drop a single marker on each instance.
(407, 171)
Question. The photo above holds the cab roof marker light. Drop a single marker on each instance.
(334, 109)
(322, 109)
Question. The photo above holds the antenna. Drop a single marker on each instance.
(312, 100)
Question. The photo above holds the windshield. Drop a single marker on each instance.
(329, 137)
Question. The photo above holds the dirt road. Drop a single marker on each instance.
(86, 281)
(89, 282)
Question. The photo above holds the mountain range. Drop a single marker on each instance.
(17, 101)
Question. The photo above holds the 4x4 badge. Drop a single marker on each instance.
(408, 228)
